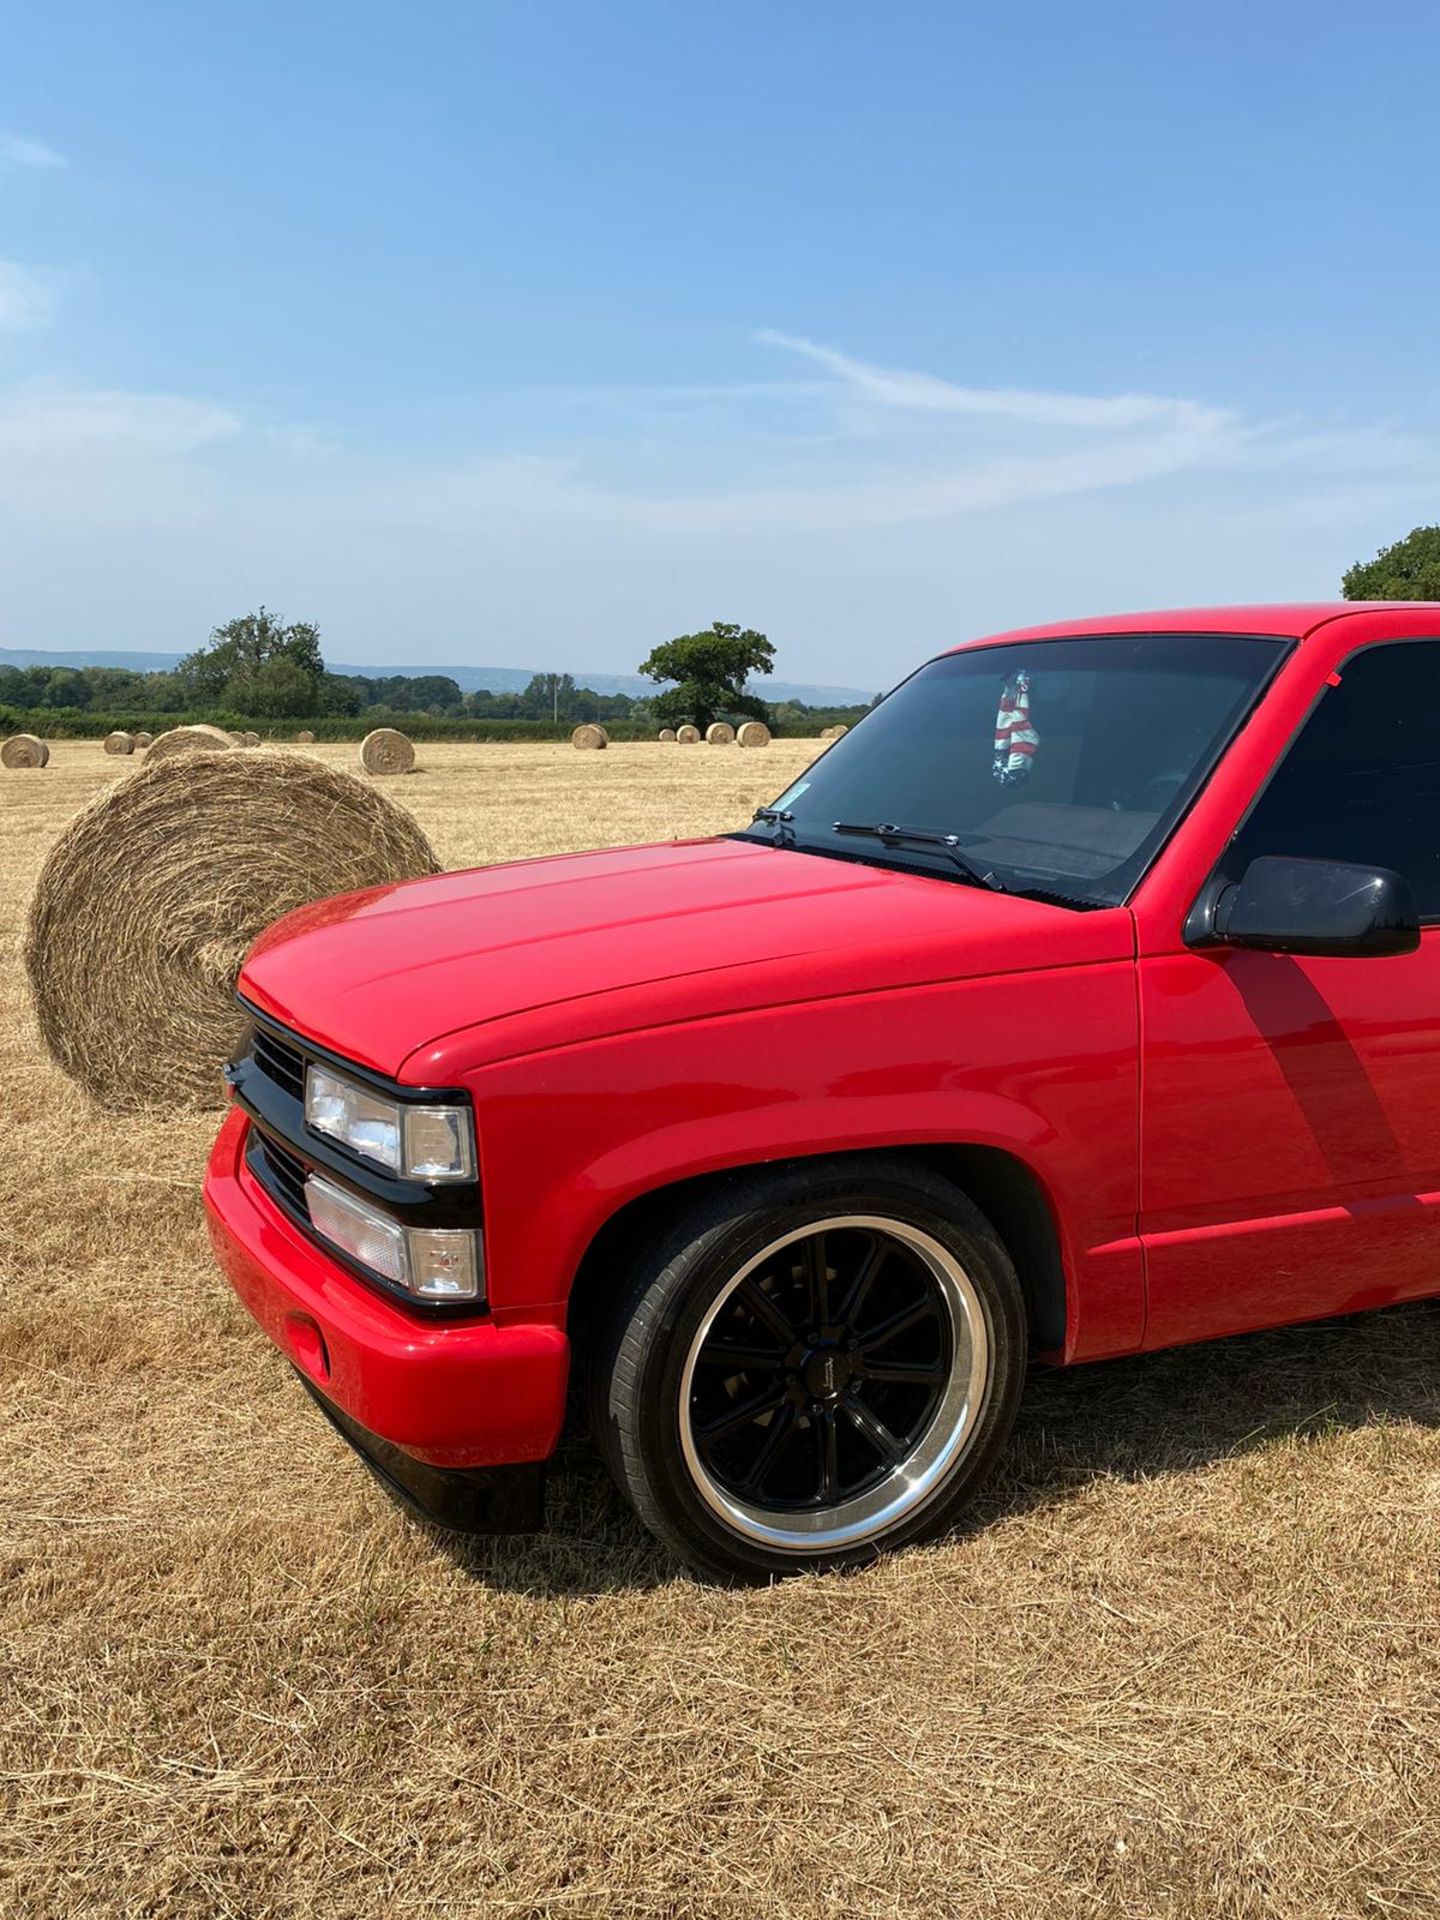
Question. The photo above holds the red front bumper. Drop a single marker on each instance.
(456, 1393)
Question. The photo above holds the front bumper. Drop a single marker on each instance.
(464, 1499)
(450, 1393)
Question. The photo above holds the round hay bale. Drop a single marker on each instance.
(248, 739)
(305, 737)
(589, 736)
(201, 739)
(154, 893)
(143, 740)
(667, 735)
(687, 735)
(836, 732)
(24, 750)
(119, 741)
(386, 751)
(752, 733)
(719, 733)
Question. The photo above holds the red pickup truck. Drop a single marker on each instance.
(1084, 999)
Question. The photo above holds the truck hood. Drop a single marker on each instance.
(421, 979)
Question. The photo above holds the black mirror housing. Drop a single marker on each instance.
(1283, 904)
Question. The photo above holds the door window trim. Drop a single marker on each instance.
(1198, 929)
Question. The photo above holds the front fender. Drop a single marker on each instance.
(1042, 1065)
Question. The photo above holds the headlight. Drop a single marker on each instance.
(421, 1143)
(433, 1263)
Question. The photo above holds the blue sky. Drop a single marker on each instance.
(536, 333)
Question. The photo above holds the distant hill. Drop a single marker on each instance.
(468, 679)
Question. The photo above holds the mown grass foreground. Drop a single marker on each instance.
(1186, 1662)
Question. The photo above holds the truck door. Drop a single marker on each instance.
(1290, 1107)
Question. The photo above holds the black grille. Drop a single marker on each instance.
(268, 1080)
(280, 1063)
(281, 1172)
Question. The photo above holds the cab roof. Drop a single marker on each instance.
(1287, 621)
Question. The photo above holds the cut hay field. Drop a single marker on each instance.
(1187, 1661)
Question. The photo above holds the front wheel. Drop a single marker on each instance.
(819, 1365)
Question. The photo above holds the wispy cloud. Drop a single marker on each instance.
(84, 466)
(853, 505)
(24, 297)
(896, 446)
(719, 469)
(42, 421)
(925, 393)
(20, 152)
(886, 447)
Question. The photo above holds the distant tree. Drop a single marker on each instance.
(481, 705)
(163, 693)
(342, 695)
(555, 696)
(550, 696)
(278, 688)
(112, 688)
(434, 692)
(710, 668)
(1408, 570)
(228, 667)
(68, 687)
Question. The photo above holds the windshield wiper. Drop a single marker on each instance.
(947, 843)
(783, 823)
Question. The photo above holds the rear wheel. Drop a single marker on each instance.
(818, 1365)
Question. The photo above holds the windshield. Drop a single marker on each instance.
(1052, 767)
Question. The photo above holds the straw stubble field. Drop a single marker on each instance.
(1185, 1663)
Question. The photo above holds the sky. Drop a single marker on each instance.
(536, 333)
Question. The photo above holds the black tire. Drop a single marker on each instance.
(735, 1265)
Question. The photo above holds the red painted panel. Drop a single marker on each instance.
(469, 1393)
(1291, 1137)
(1042, 1064)
(554, 951)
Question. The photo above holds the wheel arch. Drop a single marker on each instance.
(1005, 1189)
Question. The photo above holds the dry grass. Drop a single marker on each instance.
(1187, 1663)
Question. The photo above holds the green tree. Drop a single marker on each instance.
(227, 668)
(434, 693)
(1408, 570)
(549, 696)
(341, 694)
(710, 669)
(278, 688)
(69, 687)
(481, 705)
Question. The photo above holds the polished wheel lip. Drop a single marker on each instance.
(933, 1457)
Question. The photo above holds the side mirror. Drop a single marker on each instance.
(1287, 905)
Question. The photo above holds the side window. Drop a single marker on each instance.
(1362, 781)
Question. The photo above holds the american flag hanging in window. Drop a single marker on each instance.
(1015, 737)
